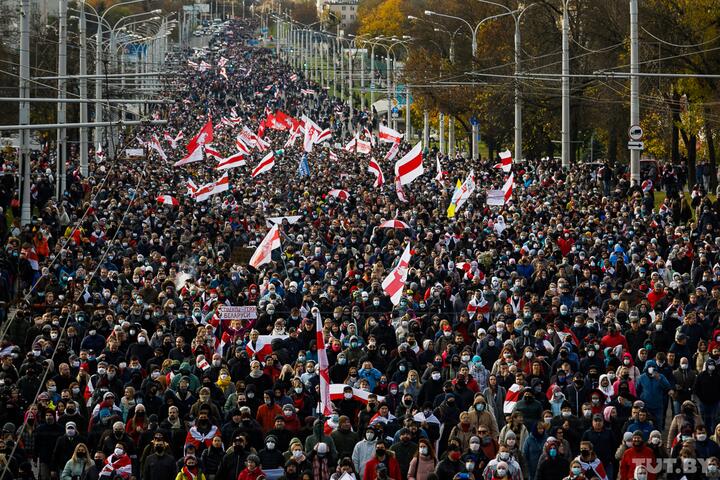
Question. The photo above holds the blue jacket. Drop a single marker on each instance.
(371, 375)
(652, 389)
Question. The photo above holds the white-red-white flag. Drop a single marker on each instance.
(213, 188)
(263, 253)
(374, 168)
(167, 200)
(155, 145)
(392, 153)
(242, 148)
(478, 306)
(194, 156)
(323, 367)
(410, 167)
(387, 134)
(265, 165)
(400, 191)
(394, 283)
(237, 160)
(505, 161)
(440, 173)
(501, 197)
(339, 194)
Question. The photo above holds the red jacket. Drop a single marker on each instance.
(634, 457)
(266, 416)
(248, 475)
(371, 468)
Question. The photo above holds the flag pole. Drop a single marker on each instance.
(282, 257)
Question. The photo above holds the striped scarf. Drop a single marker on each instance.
(320, 469)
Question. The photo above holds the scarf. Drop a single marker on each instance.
(320, 469)
(223, 384)
(190, 474)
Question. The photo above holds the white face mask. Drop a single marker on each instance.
(436, 376)
(119, 451)
(423, 450)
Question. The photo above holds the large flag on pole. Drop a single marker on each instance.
(505, 161)
(323, 368)
(387, 134)
(394, 283)
(205, 135)
(410, 167)
(264, 251)
(461, 195)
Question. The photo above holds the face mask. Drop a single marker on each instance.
(701, 437)
(504, 456)
(474, 447)
(342, 361)
(480, 407)
(270, 445)
(75, 390)
(298, 390)
(118, 452)
(370, 436)
(101, 371)
(566, 414)
(348, 396)
(501, 472)
(552, 452)
(297, 453)
(436, 376)
(576, 471)
(547, 419)
(469, 466)
(684, 366)
(423, 450)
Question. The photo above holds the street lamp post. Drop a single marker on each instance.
(517, 17)
(474, 31)
(565, 133)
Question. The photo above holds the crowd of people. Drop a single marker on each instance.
(570, 334)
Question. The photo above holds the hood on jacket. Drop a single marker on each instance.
(650, 363)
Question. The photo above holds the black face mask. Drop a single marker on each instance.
(99, 463)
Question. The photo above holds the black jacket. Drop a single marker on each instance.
(160, 467)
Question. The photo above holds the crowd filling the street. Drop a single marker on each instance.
(283, 287)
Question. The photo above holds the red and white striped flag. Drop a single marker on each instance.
(155, 145)
(501, 197)
(394, 283)
(116, 467)
(211, 152)
(505, 161)
(374, 168)
(400, 191)
(213, 188)
(237, 160)
(387, 134)
(410, 167)
(222, 62)
(339, 194)
(293, 77)
(205, 135)
(323, 136)
(476, 306)
(167, 200)
(223, 73)
(440, 173)
(32, 257)
(307, 91)
(323, 367)
(263, 253)
(194, 156)
(337, 392)
(392, 153)
(511, 398)
(265, 165)
(333, 156)
(263, 346)
(241, 146)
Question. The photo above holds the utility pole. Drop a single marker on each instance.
(565, 133)
(451, 136)
(441, 124)
(24, 111)
(426, 129)
(518, 100)
(83, 93)
(634, 88)
(98, 81)
(408, 123)
(62, 106)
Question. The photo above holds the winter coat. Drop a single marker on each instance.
(420, 468)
